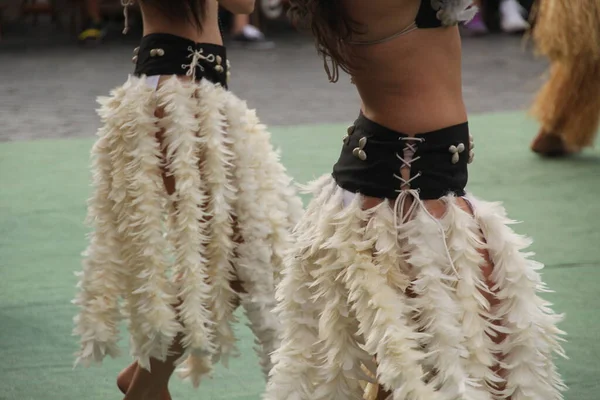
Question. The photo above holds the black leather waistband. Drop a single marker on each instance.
(165, 54)
(370, 160)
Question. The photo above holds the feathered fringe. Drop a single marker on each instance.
(436, 305)
(530, 323)
(433, 341)
(152, 323)
(266, 209)
(477, 325)
(153, 250)
(384, 318)
(184, 149)
(343, 358)
(296, 362)
(97, 322)
(568, 104)
(217, 167)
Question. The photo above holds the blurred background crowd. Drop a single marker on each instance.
(91, 21)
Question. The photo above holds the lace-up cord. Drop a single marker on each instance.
(126, 4)
(404, 194)
(196, 56)
(407, 162)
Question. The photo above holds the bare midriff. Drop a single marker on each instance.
(412, 83)
(156, 22)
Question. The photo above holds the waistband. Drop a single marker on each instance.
(166, 54)
(372, 157)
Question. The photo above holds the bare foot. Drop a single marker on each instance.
(548, 144)
(126, 376)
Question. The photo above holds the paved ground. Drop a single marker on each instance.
(48, 84)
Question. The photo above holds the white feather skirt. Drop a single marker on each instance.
(163, 263)
(343, 304)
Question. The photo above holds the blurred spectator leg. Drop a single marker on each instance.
(36, 8)
(513, 17)
(245, 34)
(477, 27)
(2, 7)
(94, 29)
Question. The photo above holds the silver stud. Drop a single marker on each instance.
(345, 138)
(160, 52)
(219, 69)
(471, 156)
(461, 147)
(219, 59)
(350, 129)
(134, 59)
(136, 51)
(153, 53)
(362, 142)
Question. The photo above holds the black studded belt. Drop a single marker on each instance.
(373, 157)
(165, 54)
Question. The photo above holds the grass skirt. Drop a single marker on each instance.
(568, 33)
(163, 262)
(343, 303)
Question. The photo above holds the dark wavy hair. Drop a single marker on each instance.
(193, 11)
(332, 27)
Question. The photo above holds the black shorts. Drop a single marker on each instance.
(372, 154)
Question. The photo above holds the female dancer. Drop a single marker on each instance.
(191, 211)
(568, 105)
(397, 272)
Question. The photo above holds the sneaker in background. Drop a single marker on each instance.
(252, 38)
(93, 32)
(512, 18)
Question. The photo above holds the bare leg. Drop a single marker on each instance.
(127, 375)
(93, 28)
(153, 385)
(239, 22)
(93, 10)
(244, 33)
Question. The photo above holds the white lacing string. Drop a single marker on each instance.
(408, 163)
(196, 56)
(126, 4)
(404, 194)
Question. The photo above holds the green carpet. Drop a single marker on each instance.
(44, 185)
